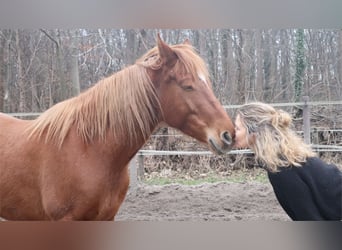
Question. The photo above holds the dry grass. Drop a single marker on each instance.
(197, 169)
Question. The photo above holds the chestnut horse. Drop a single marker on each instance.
(71, 163)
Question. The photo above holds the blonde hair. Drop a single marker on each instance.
(270, 136)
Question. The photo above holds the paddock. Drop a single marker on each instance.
(223, 201)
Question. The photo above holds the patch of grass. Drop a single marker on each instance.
(246, 175)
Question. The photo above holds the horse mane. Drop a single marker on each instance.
(125, 103)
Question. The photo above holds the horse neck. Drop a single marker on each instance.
(127, 107)
(121, 152)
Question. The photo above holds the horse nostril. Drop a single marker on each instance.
(225, 136)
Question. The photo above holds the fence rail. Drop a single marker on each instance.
(293, 104)
(306, 104)
(136, 165)
(145, 152)
(285, 104)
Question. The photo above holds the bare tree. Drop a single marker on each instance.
(20, 76)
(339, 65)
(284, 63)
(47, 66)
(259, 64)
(2, 71)
(240, 42)
(60, 88)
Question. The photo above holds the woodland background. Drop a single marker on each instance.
(39, 68)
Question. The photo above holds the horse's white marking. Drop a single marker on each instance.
(202, 77)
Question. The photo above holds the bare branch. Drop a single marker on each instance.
(50, 37)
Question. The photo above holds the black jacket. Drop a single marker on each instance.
(310, 192)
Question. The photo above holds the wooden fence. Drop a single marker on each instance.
(137, 164)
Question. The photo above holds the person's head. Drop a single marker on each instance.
(267, 132)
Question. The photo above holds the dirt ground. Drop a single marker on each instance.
(223, 201)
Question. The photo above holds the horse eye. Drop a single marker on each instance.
(188, 88)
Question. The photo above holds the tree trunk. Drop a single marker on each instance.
(61, 89)
(274, 76)
(240, 68)
(131, 47)
(267, 67)
(300, 65)
(248, 67)
(285, 65)
(226, 62)
(339, 60)
(8, 68)
(142, 46)
(72, 61)
(74, 75)
(2, 73)
(20, 80)
(259, 63)
(34, 94)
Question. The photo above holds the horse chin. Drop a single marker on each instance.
(216, 148)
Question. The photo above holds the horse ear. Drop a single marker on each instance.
(187, 42)
(167, 55)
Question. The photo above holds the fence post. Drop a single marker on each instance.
(306, 120)
(136, 171)
(140, 170)
(133, 174)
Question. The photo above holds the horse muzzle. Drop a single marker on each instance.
(222, 144)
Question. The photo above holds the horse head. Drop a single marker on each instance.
(186, 98)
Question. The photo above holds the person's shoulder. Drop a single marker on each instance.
(283, 171)
(311, 164)
(317, 164)
(316, 161)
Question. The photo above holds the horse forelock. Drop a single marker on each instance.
(192, 62)
(189, 61)
(124, 104)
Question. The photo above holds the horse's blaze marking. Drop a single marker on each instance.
(202, 78)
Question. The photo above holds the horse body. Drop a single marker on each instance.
(14, 195)
(42, 192)
(92, 185)
(71, 163)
